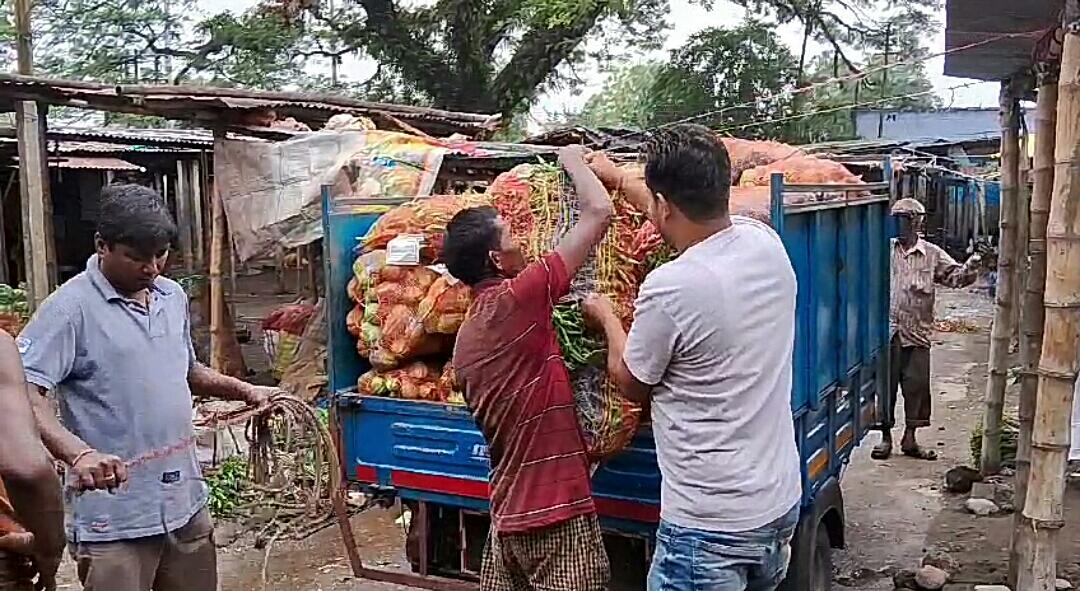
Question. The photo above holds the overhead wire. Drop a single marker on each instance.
(788, 93)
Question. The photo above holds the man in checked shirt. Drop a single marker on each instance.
(917, 268)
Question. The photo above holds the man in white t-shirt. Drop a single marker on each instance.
(711, 349)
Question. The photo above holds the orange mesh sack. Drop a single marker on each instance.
(802, 170)
(747, 154)
(443, 308)
(426, 217)
(418, 380)
(403, 338)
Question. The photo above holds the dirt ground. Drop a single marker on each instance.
(896, 510)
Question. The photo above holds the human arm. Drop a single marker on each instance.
(205, 381)
(949, 273)
(601, 314)
(595, 213)
(26, 470)
(630, 182)
(48, 347)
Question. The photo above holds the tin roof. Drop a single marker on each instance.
(228, 106)
(970, 22)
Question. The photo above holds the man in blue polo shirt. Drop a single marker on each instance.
(113, 344)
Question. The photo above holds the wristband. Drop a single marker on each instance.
(82, 454)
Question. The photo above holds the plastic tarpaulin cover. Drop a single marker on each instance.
(272, 190)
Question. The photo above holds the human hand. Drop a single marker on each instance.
(93, 470)
(572, 156)
(260, 396)
(604, 169)
(17, 542)
(598, 310)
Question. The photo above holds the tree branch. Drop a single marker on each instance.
(391, 41)
(538, 55)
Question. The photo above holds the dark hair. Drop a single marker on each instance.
(690, 167)
(135, 216)
(470, 237)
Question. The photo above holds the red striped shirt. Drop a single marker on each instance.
(518, 389)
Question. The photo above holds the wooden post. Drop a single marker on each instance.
(33, 172)
(1031, 327)
(225, 353)
(1044, 504)
(183, 212)
(1003, 328)
(217, 288)
(197, 213)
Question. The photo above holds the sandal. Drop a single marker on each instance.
(920, 454)
(881, 452)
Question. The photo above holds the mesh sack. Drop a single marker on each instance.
(444, 307)
(403, 337)
(427, 217)
(354, 321)
(403, 285)
(608, 421)
(416, 381)
(747, 154)
(801, 169)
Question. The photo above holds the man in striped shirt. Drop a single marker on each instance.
(544, 530)
(917, 268)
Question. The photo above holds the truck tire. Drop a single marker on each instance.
(821, 565)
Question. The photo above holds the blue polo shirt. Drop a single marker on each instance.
(119, 371)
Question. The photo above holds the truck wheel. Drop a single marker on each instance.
(821, 567)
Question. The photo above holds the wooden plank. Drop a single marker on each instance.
(34, 186)
(183, 213)
(199, 238)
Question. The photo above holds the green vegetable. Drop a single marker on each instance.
(370, 333)
(579, 348)
(371, 311)
(1010, 436)
(226, 485)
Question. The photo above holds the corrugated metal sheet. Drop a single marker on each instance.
(974, 21)
(224, 105)
(93, 163)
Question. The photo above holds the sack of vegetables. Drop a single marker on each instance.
(418, 380)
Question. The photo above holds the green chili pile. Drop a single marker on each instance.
(580, 348)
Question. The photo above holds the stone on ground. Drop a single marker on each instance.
(981, 507)
(959, 479)
(1062, 585)
(931, 578)
(991, 588)
(942, 560)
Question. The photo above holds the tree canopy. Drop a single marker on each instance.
(477, 55)
(715, 79)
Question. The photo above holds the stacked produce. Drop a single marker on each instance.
(14, 309)
(406, 317)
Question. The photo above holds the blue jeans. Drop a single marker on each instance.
(694, 560)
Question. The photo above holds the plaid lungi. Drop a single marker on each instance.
(569, 556)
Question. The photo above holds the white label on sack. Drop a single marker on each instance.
(444, 272)
(404, 251)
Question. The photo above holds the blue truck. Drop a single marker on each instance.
(432, 458)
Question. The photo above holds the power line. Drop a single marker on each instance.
(840, 108)
(838, 79)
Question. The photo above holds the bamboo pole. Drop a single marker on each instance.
(1031, 321)
(1003, 328)
(1058, 365)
